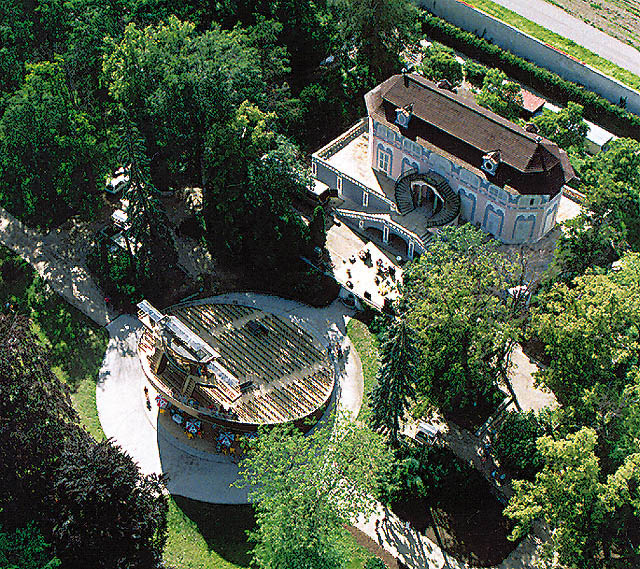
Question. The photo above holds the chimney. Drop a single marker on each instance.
(405, 76)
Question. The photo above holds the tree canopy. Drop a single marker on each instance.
(439, 62)
(456, 300)
(397, 376)
(566, 128)
(590, 517)
(304, 488)
(500, 95)
(89, 498)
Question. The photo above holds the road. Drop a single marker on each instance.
(562, 23)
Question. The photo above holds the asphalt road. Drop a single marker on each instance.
(560, 22)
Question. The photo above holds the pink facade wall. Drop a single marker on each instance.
(510, 218)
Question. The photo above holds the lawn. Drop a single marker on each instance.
(366, 344)
(201, 535)
(75, 343)
(213, 536)
(563, 44)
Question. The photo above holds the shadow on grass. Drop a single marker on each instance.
(222, 526)
(76, 345)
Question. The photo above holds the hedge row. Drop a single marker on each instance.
(599, 110)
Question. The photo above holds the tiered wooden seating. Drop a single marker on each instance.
(294, 371)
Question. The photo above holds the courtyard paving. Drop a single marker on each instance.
(152, 442)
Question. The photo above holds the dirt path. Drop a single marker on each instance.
(59, 260)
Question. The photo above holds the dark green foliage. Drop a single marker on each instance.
(400, 361)
(374, 563)
(89, 498)
(36, 413)
(323, 108)
(25, 548)
(107, 514)
(433, 474)
(566, 127)
(474, 72)
(597, 109)
(253, 175)
(377, 31)
(114, 272)
(318, 228)
(500, 95)
(439, 62)
(609, 222)
(465, 330)
(49, 153)
(515, 445)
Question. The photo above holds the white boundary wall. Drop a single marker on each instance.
(527, 47)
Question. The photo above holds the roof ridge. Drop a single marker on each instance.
(477, 109)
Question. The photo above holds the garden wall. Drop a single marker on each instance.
(523, 45)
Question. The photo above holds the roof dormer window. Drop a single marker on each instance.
(403, 115)
(490, 162)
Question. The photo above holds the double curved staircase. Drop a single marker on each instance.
(404, 198)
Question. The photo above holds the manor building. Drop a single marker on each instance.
(426, 157)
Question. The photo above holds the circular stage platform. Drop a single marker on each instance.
(234, 365)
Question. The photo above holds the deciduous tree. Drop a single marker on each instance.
(500, 95)
(439, 62)
(566, 128)
(49, 154)
(376, 32)
(35, 415)
(456, 299)
(107, 513)
(305, 488)
(590, 331)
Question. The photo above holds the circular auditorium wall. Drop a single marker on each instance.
(236, 366)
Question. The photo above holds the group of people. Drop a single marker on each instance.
(335, 349)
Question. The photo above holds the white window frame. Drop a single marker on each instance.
(384, 161)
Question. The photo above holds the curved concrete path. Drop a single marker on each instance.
(193, 473)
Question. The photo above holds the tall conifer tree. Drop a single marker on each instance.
(396, 379)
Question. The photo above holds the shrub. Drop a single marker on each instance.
(596, 108)
(474, 72)
(374, 563)
(440, 63)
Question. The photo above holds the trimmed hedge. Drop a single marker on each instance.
(475, 72)
(596, 108)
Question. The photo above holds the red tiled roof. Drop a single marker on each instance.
(530, 102)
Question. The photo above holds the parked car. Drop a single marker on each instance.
(427, 434)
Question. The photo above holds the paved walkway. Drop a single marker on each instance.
(562, 23)
(57, 263)
(419, 552)
(193, 473)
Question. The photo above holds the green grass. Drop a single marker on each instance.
(75, 343)
(563, 44)
(207, 536)
(200, 535)
(366, 344)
